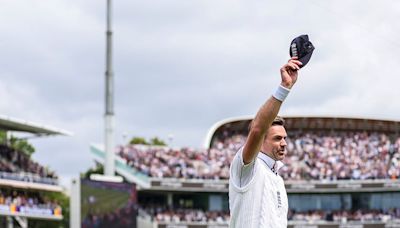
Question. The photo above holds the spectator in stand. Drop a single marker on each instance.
(16, 162)
(394, 170)
(345, 216)
(28, 203)
(121, 218)
(162, 214)
(311, 156)
(338, 156)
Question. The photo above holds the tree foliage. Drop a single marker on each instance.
(155, 141)
(138, 140)
(99, 169)
(3, 137)
(22, 145)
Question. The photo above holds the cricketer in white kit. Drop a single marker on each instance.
(257, 194)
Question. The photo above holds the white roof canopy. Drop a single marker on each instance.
(13, 124)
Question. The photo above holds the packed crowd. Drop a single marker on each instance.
(394, 168)
(340, 156)
(192, 215)
(12, 161)
(120, 218)
(187, 163)
(309, 157)
(344, 216)
(161, 214)
(27, 203)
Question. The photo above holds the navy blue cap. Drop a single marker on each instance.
(301, 48)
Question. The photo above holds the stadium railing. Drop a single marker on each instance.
(38, 211)
(34, 211)
(121, 167)
(28, 177)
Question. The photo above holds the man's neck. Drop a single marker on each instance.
(269, 154)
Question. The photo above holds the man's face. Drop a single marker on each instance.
(275, 142)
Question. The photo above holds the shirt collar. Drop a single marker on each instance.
(271, 163)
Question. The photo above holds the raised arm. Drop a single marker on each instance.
(267, 113)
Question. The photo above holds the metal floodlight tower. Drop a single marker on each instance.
(109, 98)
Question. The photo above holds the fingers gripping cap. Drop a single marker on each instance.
(301, 48)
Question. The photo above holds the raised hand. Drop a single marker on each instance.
(289, 72)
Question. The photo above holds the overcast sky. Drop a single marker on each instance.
(181, 66)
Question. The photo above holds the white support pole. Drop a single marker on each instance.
(75, 204)
(109, 168)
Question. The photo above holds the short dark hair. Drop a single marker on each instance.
(278, 121)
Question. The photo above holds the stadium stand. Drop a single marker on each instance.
(164, 162)
(344, 216)
(192, 215)
(339, 172)
(15, 162)
(25, 184)
(176, 215)
(330, 156)
(28, 203)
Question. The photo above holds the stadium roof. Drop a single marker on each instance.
(13, 124)
(316, 123)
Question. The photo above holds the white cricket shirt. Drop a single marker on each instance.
(257, 194)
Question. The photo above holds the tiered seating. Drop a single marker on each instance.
(329, 156)
(15, 165)
(162, 214)
(28, 203)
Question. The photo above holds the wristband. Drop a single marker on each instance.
(281, 93)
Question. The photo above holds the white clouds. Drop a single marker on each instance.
(13, 95)
(181, 66)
